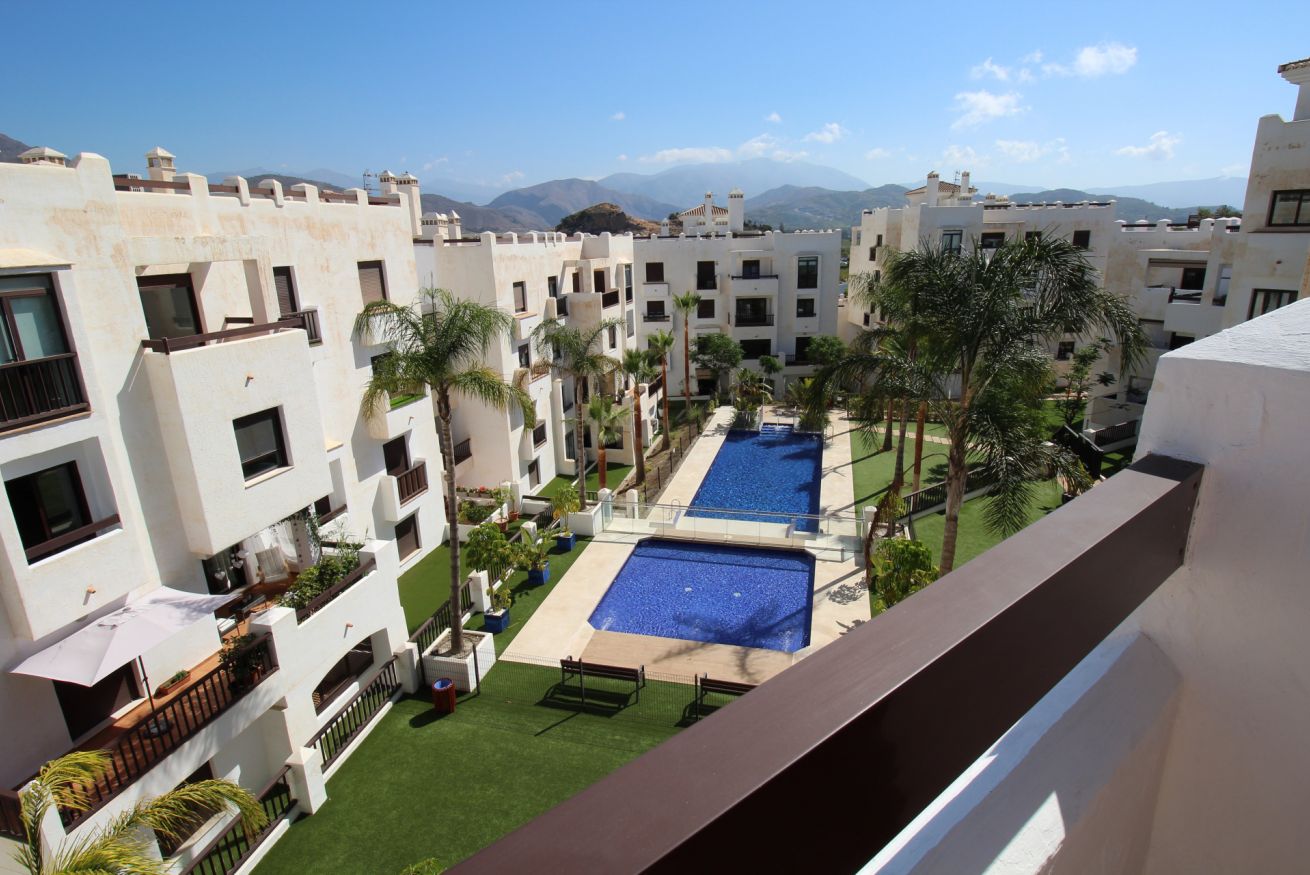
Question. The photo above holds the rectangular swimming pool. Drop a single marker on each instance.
(773, 471)
(749, 596)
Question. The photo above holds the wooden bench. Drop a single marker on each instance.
(706, 685)
(570, 667)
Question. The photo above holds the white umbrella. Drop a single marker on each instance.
(108, 643)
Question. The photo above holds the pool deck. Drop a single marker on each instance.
(560, 626)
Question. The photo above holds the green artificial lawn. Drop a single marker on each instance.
(974, 537)
(874, 468)
(614, 474)
(527, 598)
(426, 586)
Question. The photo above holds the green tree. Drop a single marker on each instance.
(639, 367)
(660, 345)
(752, 390)
(578, 353)
(441, 342)
(825, 350)
(686, 304)
(608, 419)
(718, 353)
(488, 550)
(1078, 380)
(123, 845)
(900, 569)
(770, 366)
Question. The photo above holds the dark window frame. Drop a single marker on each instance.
(953, 241)
(991, 240)
(279, 451)
(654, 271)
(1265, 295)
(807, 272)
(702, 306)
(167, 280)
(293, 299)
(813, 308)
(1064, 350)
(1302, 217)
(539, 427)
(11, 323)
(706, 280)
(380, 264)
(520, 293)
(763, 343)
(27, 490)
(1082, 239)
(411, 522)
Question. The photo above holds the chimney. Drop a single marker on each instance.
(456, 226)
(386, 182)
(1298, 73)
(407, 184)
(933, 189)
(664, 227)
(736, 211)
(964, 187)
(159, 165)
(707, 220)
(44, 155)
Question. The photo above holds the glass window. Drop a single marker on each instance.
(807, 272)
(520, 297)
(525, 355)
(170, 307)
(1290, 208)
(804, 308)
(48, 504)
(705, 276)
(1082, 239)
(1065, 351)
(655, 308)
(1032, 236)
(705, 310)
(372, 281)
(952, 241)
(1267, 300)
(552, 286)
(260, 443)
(991, 240)
(31, 327)
(654, 271)
(407, 538)
(753, 349)
(750, 268)
(613, 337)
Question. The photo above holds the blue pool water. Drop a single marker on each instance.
(748, 596)
(774, 470)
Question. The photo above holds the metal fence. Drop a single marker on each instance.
(227, 851)
(347, 723)
(661, 470)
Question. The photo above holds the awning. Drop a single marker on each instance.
(107, 644)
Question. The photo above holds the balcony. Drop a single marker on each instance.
(398, 490)
(609, 299)
(367, 566)
(168, 345)
(654, 317)
(752, 320)
(69, 539)
(40, 389)
(764, 284)
(463, 450)
(655, 290)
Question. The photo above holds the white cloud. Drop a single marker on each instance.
(1033, 57)
(1234, 170)
(688, 155)
(1025, 76)
(431, 165)
(618, 116)
(963, 156)
(829, 133)
(978, 107)
(1091, 62)
(774, 118)
(990, 68)
(1160, 147)
(758, 147)
(1028, 151)
(511, 177)
(878, 154)
(784, 155)
(623, 157)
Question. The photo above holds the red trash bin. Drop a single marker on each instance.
(443, 696)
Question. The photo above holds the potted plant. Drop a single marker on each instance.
(241, 661)
(497, 619)
(500, 497)
(174, 681)
(565, 503)
(534, 558)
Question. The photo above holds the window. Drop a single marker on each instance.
(1032, 236)
(1177, 341)
(534, 474)
(520, 297)
(856, 241)
(1193, 279)
(613, 337)
(539, 434)
(705, 385)
(655, 311)
(873, 253)
(804, 308)
(1221, 290)
(525, 355)
(170, 307)
(705, 279)
(753, 349)
(750, 269)
(372, 283)
(1082, 239)
(47, 505)
(1290, 208)
(991, 240)
(627, 281)
(577, 282)
(878, 242)
(807, 272)
(803, 349)
(1266, 300)
(407, 540)
(552, 286)
(753, 311)
(30, 330)
(259, 443)
(705, 310)
(395, 456)
(654, 271)
(347, 670)
(598, 281)
(286, 291)
(1065, 351)
(952, 242)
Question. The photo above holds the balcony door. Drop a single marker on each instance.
(395, 455)
(85, 708)
(169, 303)
(752, 311)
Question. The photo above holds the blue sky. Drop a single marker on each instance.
(1083, 95)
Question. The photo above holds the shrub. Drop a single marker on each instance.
(901, 568)
(473, 513)
(487, 550)
(564, 503)
(313, 581)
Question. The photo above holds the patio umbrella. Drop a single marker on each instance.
(108, 643)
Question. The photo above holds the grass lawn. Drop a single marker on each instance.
(426, 586)
(974, 537)
(874, 468)
(528, 598)
(614, 474)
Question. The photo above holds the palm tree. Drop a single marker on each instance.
(770, 366)
(608, 419)
(578, 353)
(752, 389)
(686, 304)
(441, 342)
(124, 844)
(660, 345)
(638, 366)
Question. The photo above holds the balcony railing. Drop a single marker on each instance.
(747, 320)
(327, 596)
(168, 345)
(610, 299)
(139, 749)
(40, 389)
(309, 319)
(933, 682)
(412, 483)
(755, 276)
(463, 450)
(655, 317)
(1184, 296)
(228, 850)
(1119, 432)
(797, 359)
(68, 539)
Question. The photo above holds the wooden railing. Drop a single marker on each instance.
(39, 389)
(463, 450)
(123, 183)
(68, 539)
(232, 847)
(11, 816)
(309, 320)
(143, 746)
(168, 345)
(412, 483)
(1118, 432)
(356, 714)
(323, 599)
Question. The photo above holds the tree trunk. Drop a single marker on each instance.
(686, 365)
(920, 422)
(600, 462)
(579, 451)
(664, 390)
(638, 433)
(898, 473)
(956, 483)
(452, 518)
(887, 434)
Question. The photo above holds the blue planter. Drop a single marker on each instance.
(494, 623)
(537, 577)
(566, 542)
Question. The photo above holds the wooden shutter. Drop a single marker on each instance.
(286, 295)
(371, 284)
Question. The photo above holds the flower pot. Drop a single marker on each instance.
(496, 621)
(170, 685)
(566, 542)
(504, 526)
(513, 515)
(538, 576)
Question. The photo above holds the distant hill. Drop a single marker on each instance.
(600, 218)
(287, 181)
(560, 197)
(1130, 209)
(811, 207)
(475, 219)
(322, 177)
(1211, 192)
(10, 149)
(685, 185)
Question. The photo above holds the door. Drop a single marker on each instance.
(407, 540)
(85, 708)
(598, 279)
(395, 455)
(169, 304)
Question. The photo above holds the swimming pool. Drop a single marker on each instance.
(772, 471)
(721, 594)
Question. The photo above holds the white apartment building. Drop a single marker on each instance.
(769, 290)
(179, 384)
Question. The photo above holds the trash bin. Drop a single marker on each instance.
(443, 696)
